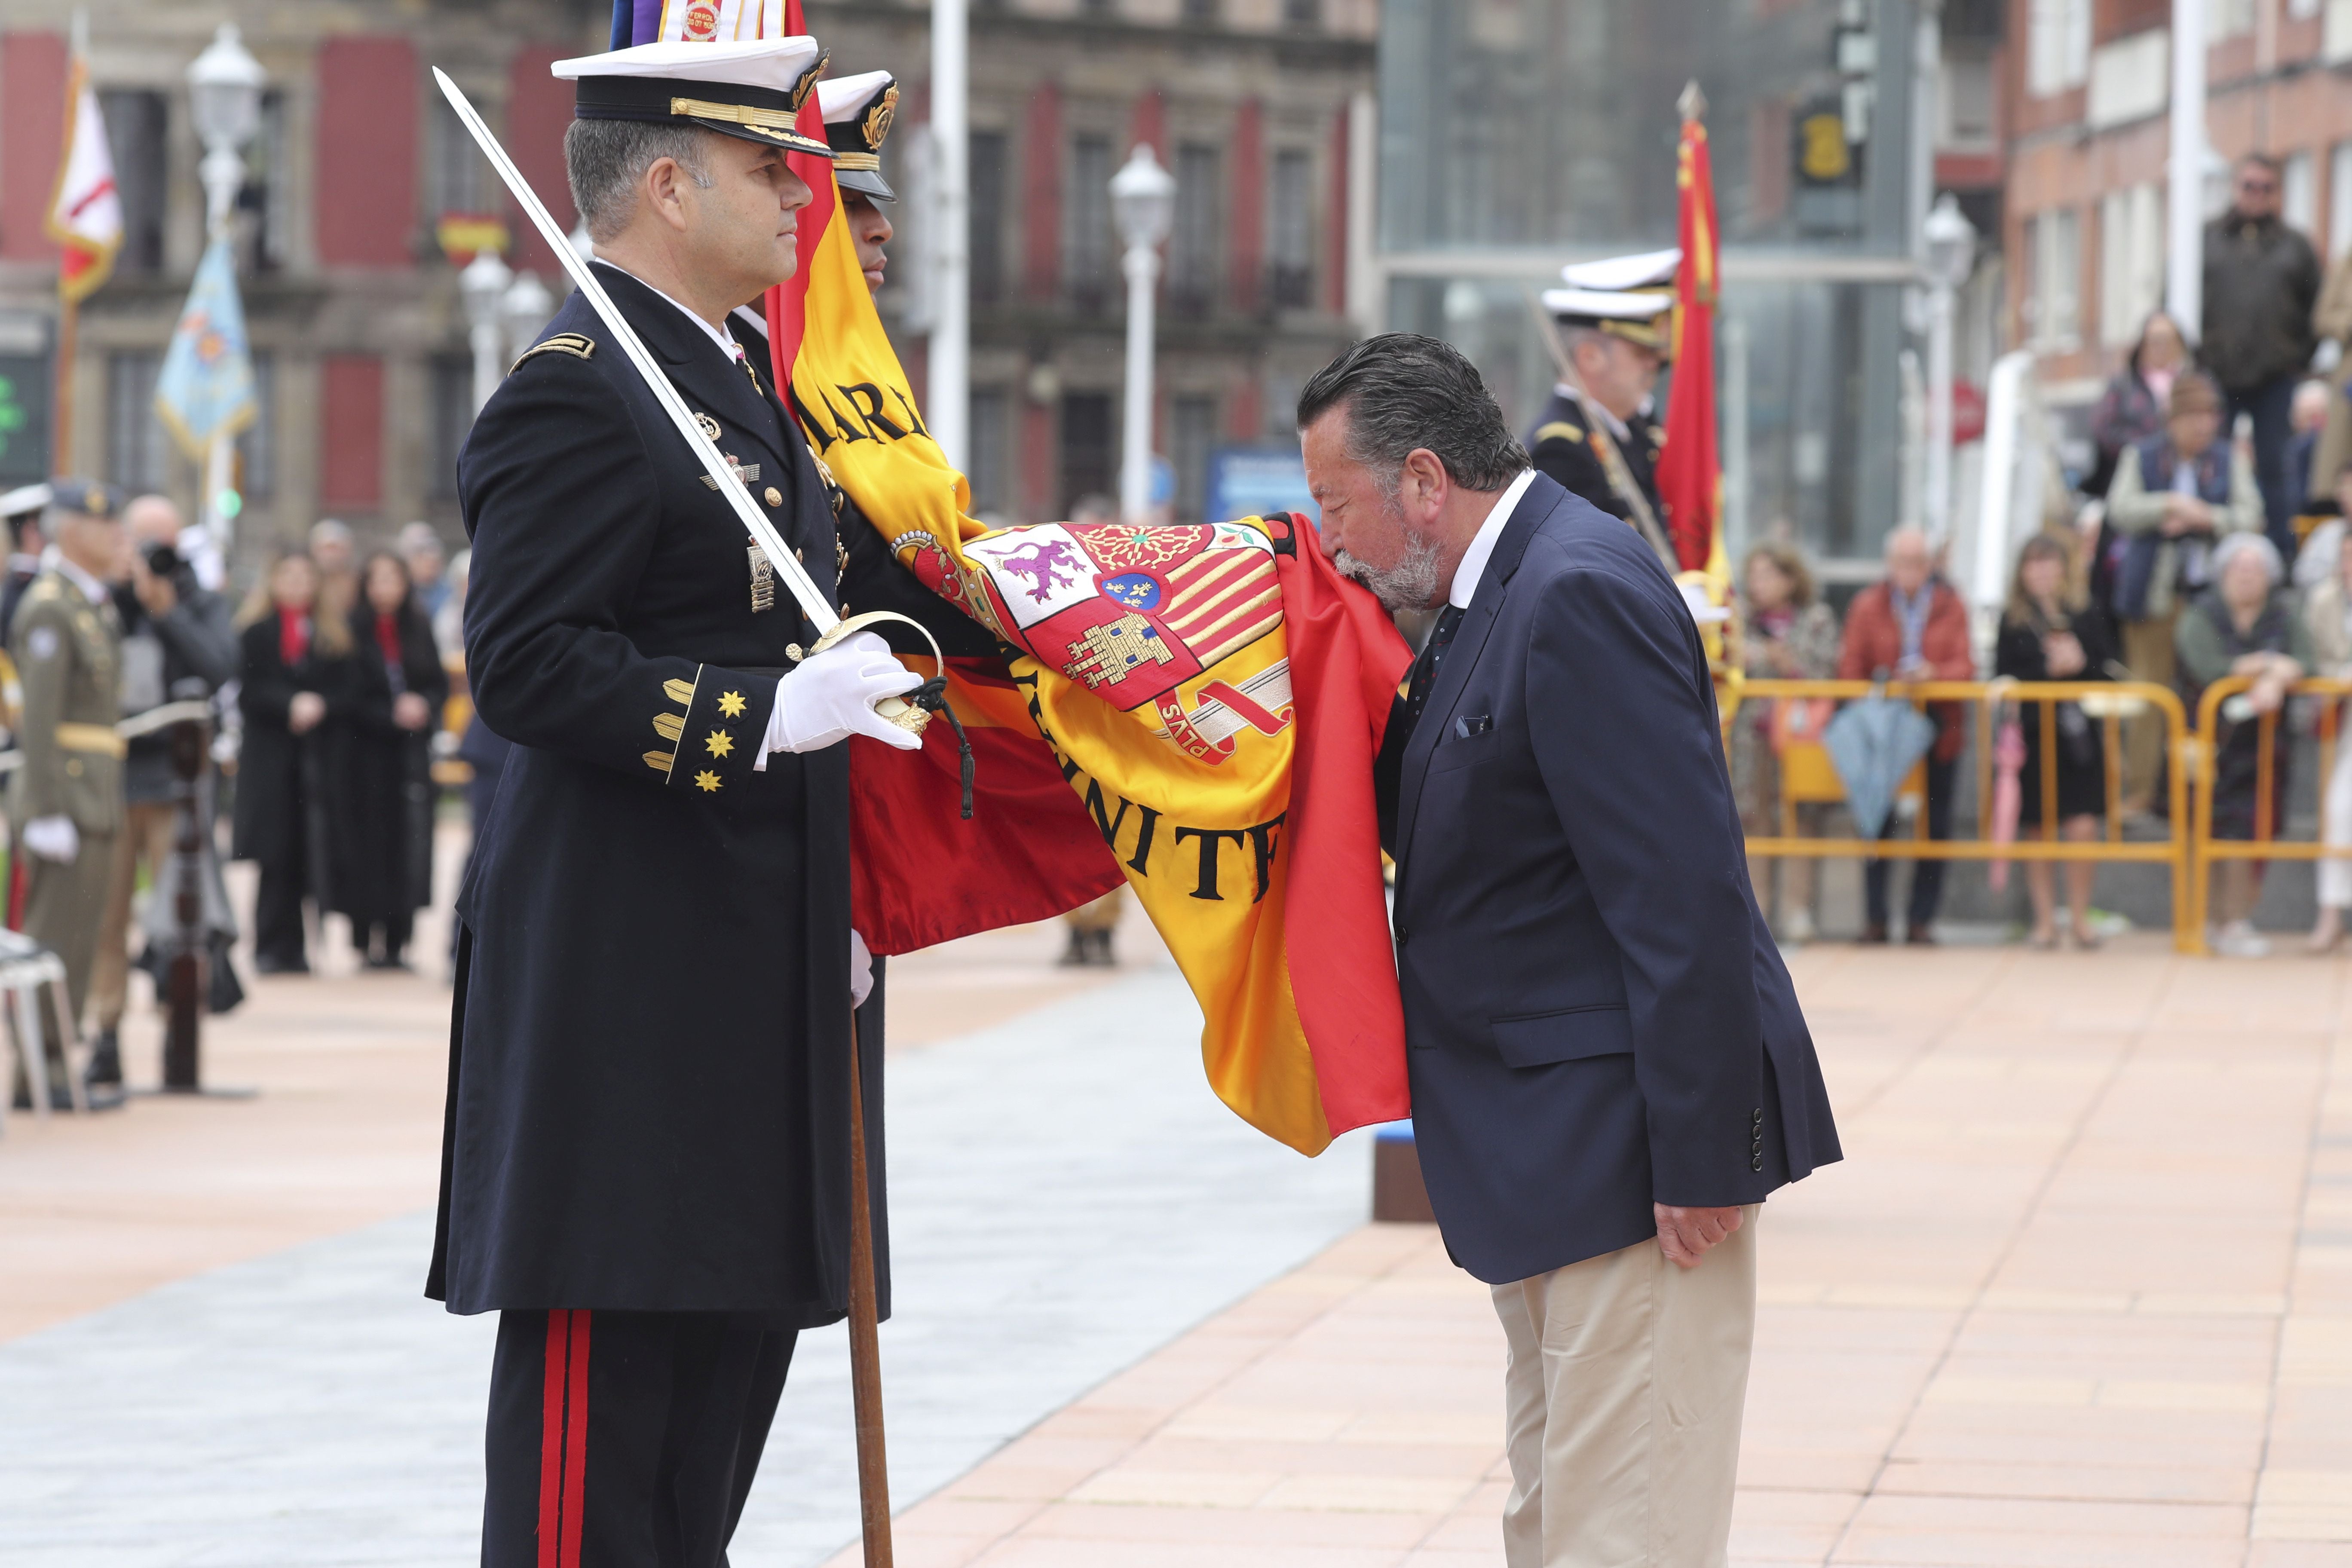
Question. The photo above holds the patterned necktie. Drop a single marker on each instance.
(1424, 669)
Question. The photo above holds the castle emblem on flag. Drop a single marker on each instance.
(1113, 648)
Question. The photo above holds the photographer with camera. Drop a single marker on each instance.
(177, 645)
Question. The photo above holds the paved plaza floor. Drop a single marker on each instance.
(2081, 1294)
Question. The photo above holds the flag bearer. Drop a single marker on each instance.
(645, 1164)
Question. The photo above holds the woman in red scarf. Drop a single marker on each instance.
(382, 819)
(294, 688)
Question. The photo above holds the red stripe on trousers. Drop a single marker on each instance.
(550, 1441)
(563, 1439)
(575, 1441)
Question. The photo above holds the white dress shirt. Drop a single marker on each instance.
(1482, 543)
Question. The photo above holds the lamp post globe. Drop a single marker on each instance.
(1143, 205)
(1951, 243)
(225, 91)
(1143, 198)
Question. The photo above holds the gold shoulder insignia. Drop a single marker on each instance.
(1560, 430)
(571, 343)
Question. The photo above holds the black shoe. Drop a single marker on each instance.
(105, 1063)
(1080, 952)
(1873, 934)
(60, 1098)
(390, 961)
(1104, 958)
(278, 964)
(104, 1096)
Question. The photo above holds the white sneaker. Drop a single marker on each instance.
(1797, 927)
(2238, 939)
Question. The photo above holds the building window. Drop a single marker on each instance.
(266, 244)
(2058, 45)
(454, 170)
(1085, 448)
(2228, 18)
(138, 449)
(1302, 16)
(2131, 261)
(449, 382)
(137, 126)
(1087, 238)
(2052, 308)
(1194, 242)
(1290, 230)
(986, 168)
(257, 445)
(1201, 13)
(991, 440)
(2299, 191)
(1192, 430)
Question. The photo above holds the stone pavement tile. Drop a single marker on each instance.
(1048, 1551)
(2295, 1554)
(1269, 1525)
(2077, 1482)
(2304, 1505)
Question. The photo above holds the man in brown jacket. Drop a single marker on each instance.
(2261, 280)
(1912, 627)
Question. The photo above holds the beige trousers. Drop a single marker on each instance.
(1628, 1376)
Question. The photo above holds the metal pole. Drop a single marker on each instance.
(947, 403)
(2184, 218)
(1142, 268)
(865, 1339)
(1937, 511)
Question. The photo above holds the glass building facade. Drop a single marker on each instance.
(1516, 136)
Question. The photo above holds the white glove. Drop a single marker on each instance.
(52, 838)
(830, 697)
(861, 970)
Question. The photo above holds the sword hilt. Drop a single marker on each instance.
(912, 717)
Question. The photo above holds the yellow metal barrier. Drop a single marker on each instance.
(2203, 847)
(1812, 780)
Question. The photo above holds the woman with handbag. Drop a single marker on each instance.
(2046, 635)
(1788, 634)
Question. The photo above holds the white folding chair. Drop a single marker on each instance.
(26, 968)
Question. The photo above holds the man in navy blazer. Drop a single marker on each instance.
(1609, 1067)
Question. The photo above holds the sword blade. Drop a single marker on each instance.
(721, 472)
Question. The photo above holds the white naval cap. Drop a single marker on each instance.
(1648, 269)
(857, 114)
(750, 90)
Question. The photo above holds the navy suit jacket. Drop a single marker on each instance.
(1596, 1015)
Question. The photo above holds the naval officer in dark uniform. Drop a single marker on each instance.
(1616, 321)
(646, 1166)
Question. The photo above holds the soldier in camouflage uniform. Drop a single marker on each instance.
(67, 798)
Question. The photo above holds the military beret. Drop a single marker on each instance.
(87, 497)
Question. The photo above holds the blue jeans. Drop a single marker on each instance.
(2271, 405)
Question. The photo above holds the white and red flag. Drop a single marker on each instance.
(86, 213)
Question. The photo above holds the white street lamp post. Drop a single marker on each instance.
(2186, 153)
(483, 287)
(947, 400)
(523, 308)
(225, 101)
(1143, 201)
(1952, 244)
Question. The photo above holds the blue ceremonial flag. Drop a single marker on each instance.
(205, 389)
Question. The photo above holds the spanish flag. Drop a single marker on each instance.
(1209, 696)
(1690, 469)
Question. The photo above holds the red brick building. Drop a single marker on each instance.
(357, 327)
(2085, 91)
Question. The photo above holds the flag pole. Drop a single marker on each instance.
(864, 1337)
(61, 414)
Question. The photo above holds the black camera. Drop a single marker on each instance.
(162, 560)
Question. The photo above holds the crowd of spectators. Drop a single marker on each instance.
(344, 680)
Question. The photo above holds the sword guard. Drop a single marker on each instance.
(910, 717)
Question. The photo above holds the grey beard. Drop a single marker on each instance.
(1410, 584)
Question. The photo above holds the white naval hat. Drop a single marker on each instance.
(751, 89)
(857, 114)
(1629, 297)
